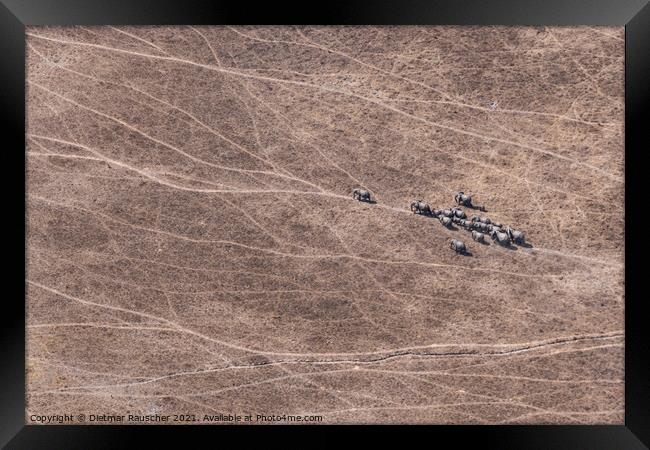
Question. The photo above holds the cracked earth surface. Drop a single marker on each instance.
(193, 246)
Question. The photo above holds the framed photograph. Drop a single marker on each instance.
(363, 213)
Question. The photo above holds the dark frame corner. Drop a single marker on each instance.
(634, 14)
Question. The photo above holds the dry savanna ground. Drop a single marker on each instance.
(193, 246)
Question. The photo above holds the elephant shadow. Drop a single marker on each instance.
(507, 246)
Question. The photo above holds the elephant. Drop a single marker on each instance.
(419, 207)
(361, 194)
(501, 238)
(515, 236)
(480, 226)
(463, 199)
(459, 213)
(458, 246)
(478, 237)
(494, 227)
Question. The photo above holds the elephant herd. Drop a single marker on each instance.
(479, 226)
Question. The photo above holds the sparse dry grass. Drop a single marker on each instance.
(193, 245)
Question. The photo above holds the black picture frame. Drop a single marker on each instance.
(16, 14)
